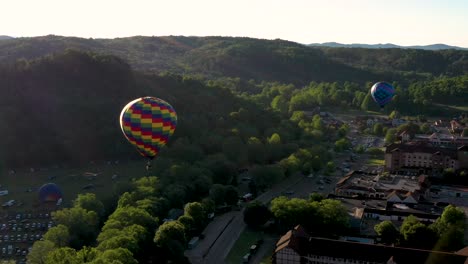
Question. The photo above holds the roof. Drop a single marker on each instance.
(413, 147)
(402, 212)
(369, 252)
(463, 251)
(463, 148)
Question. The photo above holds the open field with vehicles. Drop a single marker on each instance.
(27, 219)
(101, 179)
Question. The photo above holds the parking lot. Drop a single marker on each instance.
(19, 230)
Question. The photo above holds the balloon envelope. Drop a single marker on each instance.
(382, 93)
(49, 192)
(148, 123)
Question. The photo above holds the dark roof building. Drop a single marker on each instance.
(296, 247)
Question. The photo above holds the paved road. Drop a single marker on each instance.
(215, 247)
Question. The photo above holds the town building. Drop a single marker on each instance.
(435, 139)
(297, 247)
(371, 185)
(424, 158)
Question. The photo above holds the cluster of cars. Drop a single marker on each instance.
(19, 231)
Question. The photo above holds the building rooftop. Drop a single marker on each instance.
(357, 180)
(306, 246)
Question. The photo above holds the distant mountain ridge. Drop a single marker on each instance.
(5, 37)
(438, 46)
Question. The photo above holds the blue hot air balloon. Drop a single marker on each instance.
(382, 93)
(49, 192)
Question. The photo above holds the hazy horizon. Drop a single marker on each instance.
(404, 23)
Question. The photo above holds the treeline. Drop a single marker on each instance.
(257, 59)
(445, 234)
(418, 98)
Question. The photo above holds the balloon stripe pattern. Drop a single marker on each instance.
(148, 123)
(382, 93)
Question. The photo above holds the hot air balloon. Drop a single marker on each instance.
(382, 93)
(50, 192)
(148, 123)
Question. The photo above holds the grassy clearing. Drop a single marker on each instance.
(242, 245)
(71, 181)
(267, 258)
(375, 162)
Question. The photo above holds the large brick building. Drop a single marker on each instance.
(297, 247)
(424, 158)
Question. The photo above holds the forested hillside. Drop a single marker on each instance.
(247, 58)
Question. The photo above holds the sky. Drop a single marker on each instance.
(402, 22)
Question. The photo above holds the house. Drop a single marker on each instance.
(297, 247)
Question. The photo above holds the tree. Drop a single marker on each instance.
(425, 128)
(235, 150)
(341, 144)
(256, 214)
(125, 217)
(451, 228)
(231, 196)
(274, 139)
(198, 213)
(116, 256)
(256, 150)
(82, 224)
(334, 218)
(168, 231)
(390, 136)
(64, 255)
(58, 235)
(416, 234)
(265, 176)
(39, 252)
(387, 232)
(360, 148)
(87, 254)
(316, 197)
(330, 167)
(217, 194)
(89, 202)
(394, 114)
(189, 224)
(343, 130)
(378, 129)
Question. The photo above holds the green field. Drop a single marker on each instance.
(375, 162)
(242, 245)
(23, 184)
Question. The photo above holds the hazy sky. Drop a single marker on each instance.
(404, 22)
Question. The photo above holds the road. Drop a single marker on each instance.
(223, 232)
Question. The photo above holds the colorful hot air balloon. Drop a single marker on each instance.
(49, 192)
(382, 93)
(148, 123)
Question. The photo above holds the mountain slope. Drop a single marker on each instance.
(247, 58)
(386, 46)
(211, 56)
